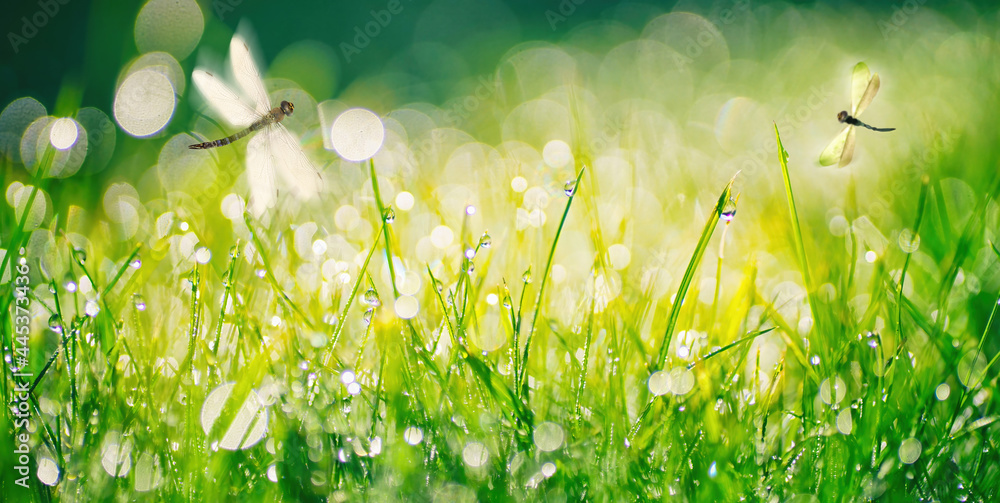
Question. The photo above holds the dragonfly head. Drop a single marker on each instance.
(842, 116)
(287, 107)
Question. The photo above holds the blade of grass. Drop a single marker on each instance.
(521, 385)
(121, 271)
(729, 346)
(350, 299)
(972, 365)
(921, 202)
(582, 380)
(259, 250)
(385, 230)
(699, 252)
(800, 248)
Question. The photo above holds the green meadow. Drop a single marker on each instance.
(563, 251)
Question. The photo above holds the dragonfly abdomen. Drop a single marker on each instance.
(855, 122)
(267, 119)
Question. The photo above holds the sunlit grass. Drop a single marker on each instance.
(594, 284)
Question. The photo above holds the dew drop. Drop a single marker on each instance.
(91, 308)
(261, 273)
(729, 211)
(136, 262)
(485, 240)
(470, 253)
(55, 323)
(371, 298)
(80, 255)
(526, 277)
(140, 303)
(570, 187)
(909, 241)
(368, 316)
(814, 360)
(389, 215)
(234, 252)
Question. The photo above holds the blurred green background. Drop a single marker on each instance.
(390, 354)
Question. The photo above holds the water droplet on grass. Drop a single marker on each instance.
(80, 255)
(92, 308)
(728, 211)
(909, 242)
(526, 277)
(389, 215)
(55, 324)
(368, 316)
(136, 262)
(371, 298)
(570, 187)
(140, 303)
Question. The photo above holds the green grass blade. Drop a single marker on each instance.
(541, 287)
(699, 253)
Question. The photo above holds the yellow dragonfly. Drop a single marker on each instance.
(864, 87)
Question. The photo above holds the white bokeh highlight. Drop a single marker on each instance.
(357, 134)
(144, 103)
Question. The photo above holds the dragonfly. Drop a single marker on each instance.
(272, 148)
(864, 87)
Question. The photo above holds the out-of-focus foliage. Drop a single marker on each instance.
(545, 285)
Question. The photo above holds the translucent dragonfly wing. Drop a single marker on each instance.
(246, 74)
(275, 150)
(295, 168)
(222, 100)
(260, 174)
(834, 152)
(864, 87)
(848, 153)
